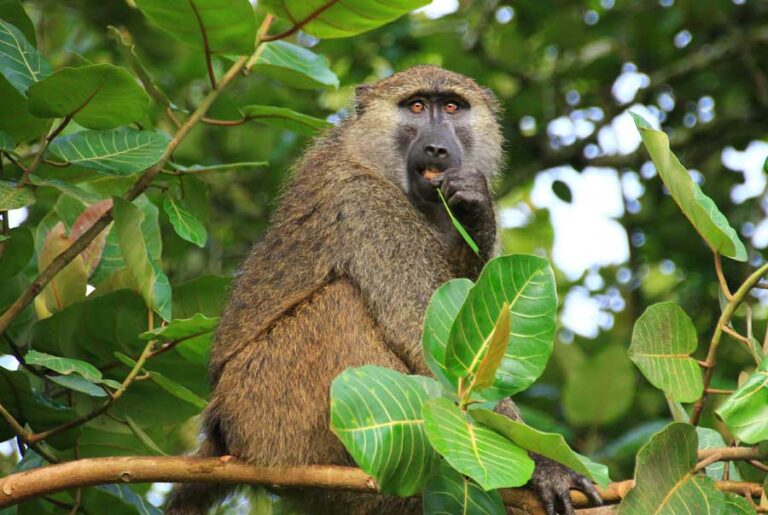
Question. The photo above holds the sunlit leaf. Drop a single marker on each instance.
(745, 412)
(122, 151)
(20, 62)
(184, 223)
(99, 96)
(666, 482)
(285, 119)
(295, 66)
(527, 284)
(662, 343)
(496, 347)
(550, 445)
(92, 253)
(182, 328)
(449, 492)
(376, 413)
(737, 505)
(145, 269)
(441, 312)
(474, 450)
(12, 197)
(332, 19)
(702, 212)
(64, 366)
(68, 286)
(457, 225)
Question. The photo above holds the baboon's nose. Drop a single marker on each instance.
(436, 151)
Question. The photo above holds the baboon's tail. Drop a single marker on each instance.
(197, 498)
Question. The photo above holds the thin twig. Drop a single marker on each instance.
(225, 123)
(25, 435)
(721, 278)
(709, 460)
(206, 45)
(717, 391)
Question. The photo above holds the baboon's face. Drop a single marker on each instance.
(434, 131)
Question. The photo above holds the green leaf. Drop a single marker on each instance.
(285, 119)
(122, 151)
(12, 197)
(376, 413)
(6, 140)
(131, 498)
(229, 25)
(13, 12)
(64, 366)
(449, 492)
(666, 482)
(20, 62)
(528, 285)
(99, 96)
(601, 389)
(331, 19)
(182, 328)
(457, 225)
(441, 312)
(702, 212)
(144, 438)
(177, 390)
(15, 118)
(496, 346)
(79, 384)
(745, 412)
(474, 450)
(217, 168)
(662, 343)
(145, 269)
(184, 223)
(711, 439)
(551, 445)
(205, 295)
(295, 66)
(128, 50)
(72, 190)
(18, 252)
(737, 505)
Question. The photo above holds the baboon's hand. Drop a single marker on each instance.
(466, 191)
(552, 482)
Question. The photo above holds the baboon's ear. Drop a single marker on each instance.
(361, 94)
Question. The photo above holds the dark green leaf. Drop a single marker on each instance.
(745, 412)
(376, 413)
(128, 496)
(550, 445)
(285, 119)
(666, 483)
(12, 197)
(295, 66)
(441, 312)
(15, 118)
(230, 25)
(702, 212)
(177, 390)
(331, 19)
(205, 295)
(528, 285)
(18, 252)
(20, 62)
(144, 438)
(122, 151)
(448, 492)
(662, 343)
(6, 140)
(13, 12)
(562, 190)
(184, 223)
(99, 96)
(182, 328)
(474, 450)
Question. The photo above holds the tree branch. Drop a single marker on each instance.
(138, 188)
(22, 486)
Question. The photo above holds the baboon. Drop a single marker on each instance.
(358, 243)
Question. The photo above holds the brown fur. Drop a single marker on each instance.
(341, 279)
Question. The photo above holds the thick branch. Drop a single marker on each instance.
(140, 469)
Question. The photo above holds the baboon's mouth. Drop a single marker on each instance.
(430, 172)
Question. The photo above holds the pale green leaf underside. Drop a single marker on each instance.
(295, 66)
(340, 19)
(662, 342)
(711, 439)
(186, 225)
(448, 492)
(745, 412)
(528, 285)
(285, 118)
(701, 210)
(474, 450)
(551, 445)
(63, 366)
(12, 197)
(665, 479)
(20, 62)
(121, 151)
(376, 413)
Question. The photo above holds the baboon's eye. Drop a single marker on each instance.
(451, 107)
(416, 106)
